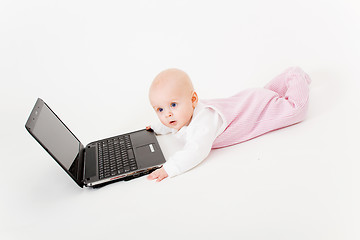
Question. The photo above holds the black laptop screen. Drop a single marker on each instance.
(56, 137)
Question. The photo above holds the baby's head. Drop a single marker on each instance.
(173, 98)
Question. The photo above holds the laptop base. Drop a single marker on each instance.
(128, 178)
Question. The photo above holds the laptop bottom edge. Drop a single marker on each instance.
(126, 177)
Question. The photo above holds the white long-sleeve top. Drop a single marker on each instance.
(206, 124)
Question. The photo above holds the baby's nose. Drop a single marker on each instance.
(169, 113)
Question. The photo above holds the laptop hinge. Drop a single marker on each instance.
(80, 166)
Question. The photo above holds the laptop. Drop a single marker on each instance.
(123, 157)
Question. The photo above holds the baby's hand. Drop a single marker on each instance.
(148, 128)
(159, 175)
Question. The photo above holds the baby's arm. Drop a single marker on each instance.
(200, 136)
(192, 154)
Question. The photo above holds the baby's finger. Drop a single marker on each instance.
(150, 177)
(160, 178)
(148, 128)
(153, 175)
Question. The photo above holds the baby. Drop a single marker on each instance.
(217, 123)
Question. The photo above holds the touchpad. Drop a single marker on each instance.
(147, 155)
(146, 149)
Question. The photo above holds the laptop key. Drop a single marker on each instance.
(130, 154)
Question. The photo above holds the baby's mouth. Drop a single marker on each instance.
(172, 122)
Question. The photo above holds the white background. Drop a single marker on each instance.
(93, 61)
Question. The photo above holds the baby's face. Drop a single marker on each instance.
(173, 105)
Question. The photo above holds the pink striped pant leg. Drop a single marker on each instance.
(251, 113)
(290, 102)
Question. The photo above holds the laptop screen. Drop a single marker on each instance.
(55, 137)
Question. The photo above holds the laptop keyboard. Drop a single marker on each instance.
(115, 156)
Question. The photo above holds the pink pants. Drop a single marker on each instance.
(251, 113)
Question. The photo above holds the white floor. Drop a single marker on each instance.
(93, 61)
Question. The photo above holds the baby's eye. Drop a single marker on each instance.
(173, 104)
(160, 109)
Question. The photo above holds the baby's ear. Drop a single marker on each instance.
(194, 99)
